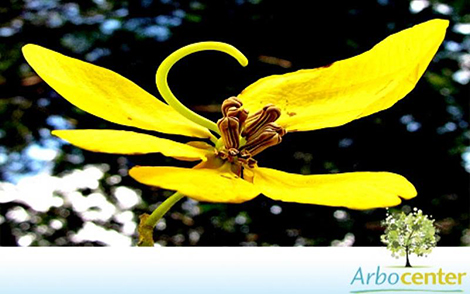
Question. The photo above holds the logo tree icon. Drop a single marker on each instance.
(409, 233)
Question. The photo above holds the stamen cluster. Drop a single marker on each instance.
(244, 135)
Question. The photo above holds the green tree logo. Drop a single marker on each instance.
(409, 233)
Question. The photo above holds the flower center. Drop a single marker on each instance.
(244, 135)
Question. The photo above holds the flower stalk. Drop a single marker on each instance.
(148, 222)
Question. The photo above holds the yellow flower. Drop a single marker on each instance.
(254, 120)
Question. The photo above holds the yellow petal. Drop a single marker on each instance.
(357, 190)
(124, 142)
(202, 184)
(352, 88)
(108, 95)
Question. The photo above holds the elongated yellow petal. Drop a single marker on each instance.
(108, 95)
(202, 184)
(352, 88)
(124, 142)
(357, 190)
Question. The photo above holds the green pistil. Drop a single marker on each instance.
(162, 76)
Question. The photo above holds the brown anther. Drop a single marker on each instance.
(270, 113)
(233, 152)
(230, 104)
(223, 154)
(270, 127)
(250, 162)
(245, 154)
(269, 135)
(230, 155)
(231, 107)
(241, 114)
(260, 132)
(230, 131)
(247, 159)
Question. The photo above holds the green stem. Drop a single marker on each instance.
(164, 68)
(148, 222)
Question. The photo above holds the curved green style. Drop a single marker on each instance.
(165, 66)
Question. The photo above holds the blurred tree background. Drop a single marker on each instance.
(52, 193)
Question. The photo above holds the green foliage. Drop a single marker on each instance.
(413, 232)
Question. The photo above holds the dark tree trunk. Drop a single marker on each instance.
(407, 259)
